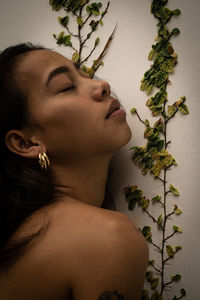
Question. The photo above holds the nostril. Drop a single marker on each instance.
(104, 93)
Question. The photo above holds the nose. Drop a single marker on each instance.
(100, 90)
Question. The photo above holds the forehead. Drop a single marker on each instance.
(37, 64)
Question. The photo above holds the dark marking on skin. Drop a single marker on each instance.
(111, 296)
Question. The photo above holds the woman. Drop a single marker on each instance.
(59, 130)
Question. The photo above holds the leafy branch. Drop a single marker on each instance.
(154, 157)
(84, 14)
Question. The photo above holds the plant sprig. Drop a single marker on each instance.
(154, 157)
(83, 13)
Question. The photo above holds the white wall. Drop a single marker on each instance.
(125, 64)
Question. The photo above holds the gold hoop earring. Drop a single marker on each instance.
(44, 161)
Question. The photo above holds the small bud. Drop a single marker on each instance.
(133, 110)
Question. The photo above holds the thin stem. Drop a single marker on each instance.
(171, 235)
(165, 192)
(172, 213)
(156, 269)
(69, 31)
(168, 143)
(139, 118)
(167, 283)
(97, 62)
(170, 257)
(97, 23)
(79, 35)
(87, 18)
(157, 247)
(95, 45)
(160, 179)
(167, 120)
(146, 211)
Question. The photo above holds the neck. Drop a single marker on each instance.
(85, 181)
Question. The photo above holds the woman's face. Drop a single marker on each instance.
(70, 108)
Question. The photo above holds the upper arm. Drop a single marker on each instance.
(112, 261)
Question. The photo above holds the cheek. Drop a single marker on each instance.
(68, 124)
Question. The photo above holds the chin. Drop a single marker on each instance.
(122, 137)
(127, 135)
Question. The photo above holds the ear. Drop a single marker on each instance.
(19, 143)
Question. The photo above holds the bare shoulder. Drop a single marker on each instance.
(94, 252)
(102, 252)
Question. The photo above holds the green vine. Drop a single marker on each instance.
(83, 14)
(154, 156)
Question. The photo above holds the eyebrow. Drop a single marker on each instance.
(60, 70)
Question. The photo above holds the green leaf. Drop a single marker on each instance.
(79, 21)
(94, 26)
(146, 231)
(160, 145)
(171, 109)
(156, 296)
(96, 12)
(151, 54)
(160, 221)
(155, 199)
(178, 211)
(101, 23)
(176, 277)
(159, 125)
(63, 21)
(158, 59)
(88, 9)
(155, 169)
(163, 32)
(148, 132)
(170, 250)
(168, 65)
(67, 40)
(149, 89)
(183, 109)
(97, 41)
(176, 12)
(75, 57)
(173, 190)
(131, 204)
(149, 275)
(149, 102)
(170, 49)
(183, 292)
(177, 229)
(145, 294)
(89, 35)
(163, 153)
(154, 283)
(151, 262)
(178, 248)
(175, 31)
(161, 77)
(145, 203)
(61, 35)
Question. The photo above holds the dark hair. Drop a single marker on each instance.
(23, 186)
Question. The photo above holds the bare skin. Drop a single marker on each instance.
(70, 111)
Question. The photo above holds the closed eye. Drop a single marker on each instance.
(67, 89)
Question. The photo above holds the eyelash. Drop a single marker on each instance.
(67, 89)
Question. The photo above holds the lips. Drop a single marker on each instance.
(115, 105)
